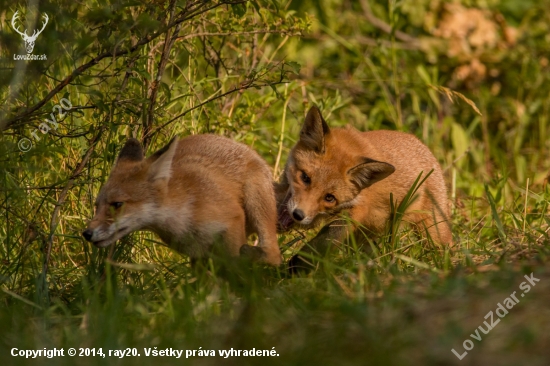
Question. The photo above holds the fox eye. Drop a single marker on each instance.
(330, 198)
(116, 205)
(305, 178)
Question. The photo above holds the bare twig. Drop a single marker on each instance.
(279, 154)
(235, 89)
(261, 31)
(383, 26)
(153, 89)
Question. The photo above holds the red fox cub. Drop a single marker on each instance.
(190, 193)
(330, 171)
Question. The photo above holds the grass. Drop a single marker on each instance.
(410, 305)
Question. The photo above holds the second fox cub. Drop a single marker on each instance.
(334, 170)
(190, 193)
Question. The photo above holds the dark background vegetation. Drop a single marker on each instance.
(471, 79)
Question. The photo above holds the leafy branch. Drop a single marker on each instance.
(192, 10)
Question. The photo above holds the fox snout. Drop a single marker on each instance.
(87, 234)
(298, 215)
(104, 235)
(289, 213)
(95, 227)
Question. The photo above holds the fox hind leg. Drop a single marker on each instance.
(439, 229)
(320, 245)
(261, 214)
(235, 235)
(437, 221)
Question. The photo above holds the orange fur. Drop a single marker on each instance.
(351, 171)
(190, 193)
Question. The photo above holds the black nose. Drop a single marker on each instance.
(87, 234)
(298, 215)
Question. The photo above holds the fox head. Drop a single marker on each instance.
(325, 173)
(134, 188)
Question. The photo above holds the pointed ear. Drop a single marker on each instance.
(314, 131)
(131, 152)
(369, 172)
(161, 161)
(160, 152)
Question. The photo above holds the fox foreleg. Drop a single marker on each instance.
(329, 236)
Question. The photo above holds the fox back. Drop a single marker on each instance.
(191, 193)
(332, 170)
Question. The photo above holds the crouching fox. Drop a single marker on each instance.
(331, 171)
(191, 193)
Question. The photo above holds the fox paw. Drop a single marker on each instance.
(298, 264)
(252, 253)
(257, 254)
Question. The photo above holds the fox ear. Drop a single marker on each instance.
(314, 130)
(161, 161)
(132, 151)
(369, 172)
(160, 152)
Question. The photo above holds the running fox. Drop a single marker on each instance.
(190, 193)
(332, 171)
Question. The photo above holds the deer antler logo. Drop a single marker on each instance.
(29, 40)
